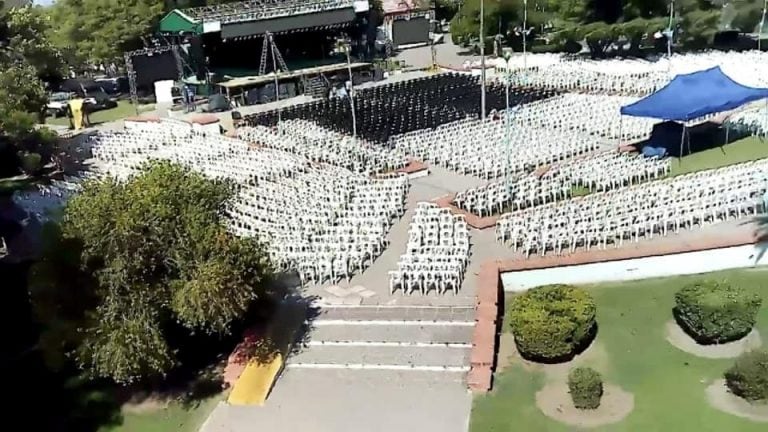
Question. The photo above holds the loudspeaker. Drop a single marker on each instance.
(197, 56)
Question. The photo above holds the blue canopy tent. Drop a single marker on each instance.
(694, 95)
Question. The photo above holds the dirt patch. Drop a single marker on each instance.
(680, 340)
(507, 351)
(555, 402)
(145, 404)
(721, 398)
(595, 357)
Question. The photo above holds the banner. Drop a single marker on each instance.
(76, 108)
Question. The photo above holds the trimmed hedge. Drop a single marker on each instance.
(748, 377)
(716, 312)
(586, 387)
(551, 323)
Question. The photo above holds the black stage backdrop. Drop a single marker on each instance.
(411, 31)
(155, 67)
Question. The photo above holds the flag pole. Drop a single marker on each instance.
(482, 59)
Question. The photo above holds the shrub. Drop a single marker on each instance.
(550, 323)
(31, 163)
(748, 377)
(716, 312)
(586, 387)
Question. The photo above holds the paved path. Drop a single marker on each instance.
(353, 401)
(448, 54)
(376, 278)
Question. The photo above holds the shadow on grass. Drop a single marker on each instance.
(579, 348)
(67, 400)
(703, 340)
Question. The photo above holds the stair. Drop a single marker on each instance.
(388, 339)
(316, 87)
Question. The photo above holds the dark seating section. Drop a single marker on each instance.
(392, 109)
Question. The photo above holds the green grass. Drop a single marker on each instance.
(175, 418)
(668, 384)
(123, 109)
(744, 150)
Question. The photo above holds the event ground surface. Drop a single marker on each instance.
(631, 351)
(360, 323)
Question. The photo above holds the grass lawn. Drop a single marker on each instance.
(123, 109)
(174, 418)
(668, 384)
(744, 150)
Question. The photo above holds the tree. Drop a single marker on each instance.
(160, 256)
(25, 57)
(501, 17)
(101, 31)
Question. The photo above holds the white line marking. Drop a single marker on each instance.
(360, 366)
(386, 306)
(390, 344)
(322, 322)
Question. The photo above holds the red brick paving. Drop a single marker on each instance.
(472, 219)
(413, 166)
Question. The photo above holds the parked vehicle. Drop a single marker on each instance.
(113, 86)
(93, 93)
(57, 104)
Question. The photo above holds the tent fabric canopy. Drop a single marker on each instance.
(694, 95)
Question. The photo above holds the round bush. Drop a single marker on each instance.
(551, 322)
(586, 387)
(716, 312)
(748, 377)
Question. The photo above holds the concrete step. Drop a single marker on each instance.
(396, 313)
(436, 356)
(393, 333)
(405, 378)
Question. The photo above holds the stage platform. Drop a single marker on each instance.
(236, 85)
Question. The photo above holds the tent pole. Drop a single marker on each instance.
(765, 132)
(682, 140)
(621, 123)
(727, 131)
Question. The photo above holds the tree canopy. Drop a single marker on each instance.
(149, 254)
(101, 31)
(26, 57)
(603, 24)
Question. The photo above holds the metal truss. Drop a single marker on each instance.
(253, 10)
(149, 51)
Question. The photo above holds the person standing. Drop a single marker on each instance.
(189, 98)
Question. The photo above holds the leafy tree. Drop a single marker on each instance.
(25, 57)
(446, 9)
(160, 255)
(61, 294)
(100, 31)
(501, 17)
(27, 41)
